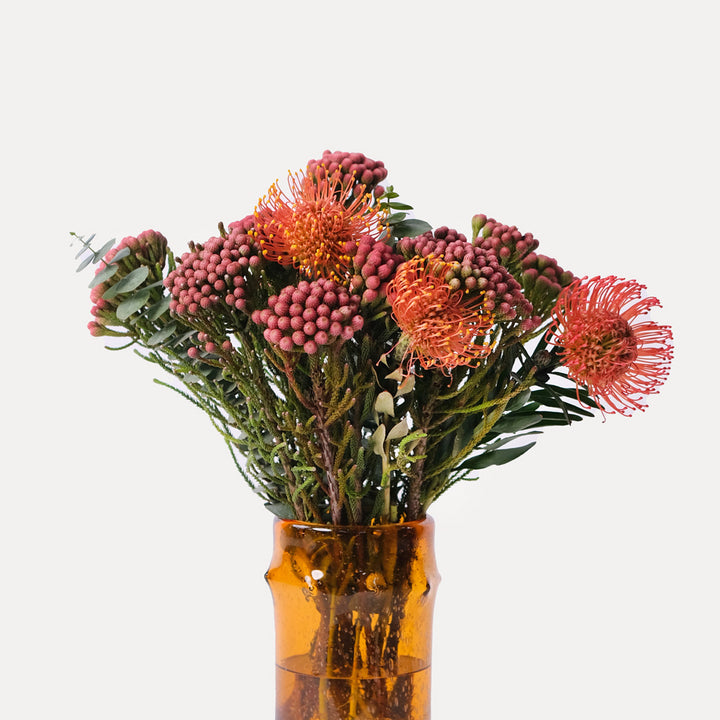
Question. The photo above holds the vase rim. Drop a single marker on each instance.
(427, 521)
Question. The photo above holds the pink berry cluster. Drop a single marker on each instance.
(444, 242)
(205, 343)
(310, 315)
(506, 241)
(148, 248)
(213, 274)
(374, 264)
(474, 269)
(543, 279)
(354, 168)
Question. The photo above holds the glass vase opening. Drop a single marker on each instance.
(353, 620)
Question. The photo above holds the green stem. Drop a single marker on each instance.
(385, 483)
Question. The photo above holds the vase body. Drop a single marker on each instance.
(353, 620)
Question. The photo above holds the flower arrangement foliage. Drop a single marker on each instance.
(357, 362)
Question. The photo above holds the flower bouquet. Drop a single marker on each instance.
(358, 363)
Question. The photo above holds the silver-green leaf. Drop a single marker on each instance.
(138, 301)
(132, 281)
(103, 275)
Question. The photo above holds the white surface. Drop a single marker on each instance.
(579, 582)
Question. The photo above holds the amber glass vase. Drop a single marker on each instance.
(353, 620)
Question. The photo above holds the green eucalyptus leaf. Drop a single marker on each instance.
(100, 254)
(138, 301)
(192, 379)
(86, 261)
(103, 275)
(132, 281)
(184, 338)
(159, 308)
(162, 335)
(121, 254)
(85, 243)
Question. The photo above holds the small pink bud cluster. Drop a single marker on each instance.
(542, 279)
(506, 241)
(354, 169)
(240, 230)
(97, 329)
(474, 269)
(310, 315)
(374, 264)
(444, 243)
(207, 345)
(149, 247)
(212, 274)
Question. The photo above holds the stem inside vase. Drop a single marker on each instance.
(353, 621)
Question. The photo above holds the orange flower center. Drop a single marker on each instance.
(442, 327)
(601, 349)
(316, 228)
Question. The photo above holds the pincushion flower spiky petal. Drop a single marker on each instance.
(442, 326)
(606, 346)
(316, 227)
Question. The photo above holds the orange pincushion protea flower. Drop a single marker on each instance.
(317, 226)
(618, 359)
(443, 326)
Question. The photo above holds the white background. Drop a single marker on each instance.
(578, 582)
